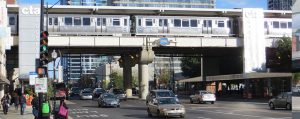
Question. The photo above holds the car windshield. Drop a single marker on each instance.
(165, 94)
(167, 101)
(118, 91)
(109, 96)
(100, 90)
(86, 92)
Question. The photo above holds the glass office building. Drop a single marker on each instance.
(166, 3)
(280, 4)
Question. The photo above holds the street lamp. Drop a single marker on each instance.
(54, 56)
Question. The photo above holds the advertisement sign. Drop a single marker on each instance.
(32, 76)
(41, 85)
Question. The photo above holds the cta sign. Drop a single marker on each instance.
(30, 10)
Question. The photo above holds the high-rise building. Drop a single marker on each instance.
(166, 3)
(84, 2)
(280, 4)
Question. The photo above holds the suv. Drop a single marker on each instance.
(159, 93)
(283, 100)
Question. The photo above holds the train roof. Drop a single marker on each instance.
(120, 10)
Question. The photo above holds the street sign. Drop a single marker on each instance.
(32, 76)
(41, 85)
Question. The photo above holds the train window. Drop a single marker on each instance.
(103, 21)
(140, 22)
(12, 21)
(116, 22)
(266, 24)
(207, 23)
(221, 24)
(194, 23)
(229, 23)
(283, 25)
(77, 21)
(50, 21)
(98, 21)
(55, 21)
(163, 22)
(149, 22)
(68, 21)
(289, 24)
(185, 23)
(275, 24)
(86, 21)
(125, 22)
(177, 22)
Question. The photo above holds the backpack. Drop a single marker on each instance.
(45, 108)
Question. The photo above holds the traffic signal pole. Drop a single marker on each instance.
(40, 95)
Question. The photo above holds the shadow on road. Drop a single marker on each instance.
(134, 108)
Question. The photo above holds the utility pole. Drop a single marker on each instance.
(40, 95)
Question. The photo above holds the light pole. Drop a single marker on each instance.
(54, 56)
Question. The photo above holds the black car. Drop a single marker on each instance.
(97, 92)
(74, 91)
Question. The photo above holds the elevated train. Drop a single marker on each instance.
(141, 25)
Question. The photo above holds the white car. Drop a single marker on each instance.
(86, 95)
(296, 89)
(165, 106)
(203, 96)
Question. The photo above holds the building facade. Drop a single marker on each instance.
(280, 4)
(84, 2)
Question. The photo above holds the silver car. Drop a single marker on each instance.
(203, 96)
(166, 106)
(108, 99)
(159, 93)
(283, 100)
(86, 95)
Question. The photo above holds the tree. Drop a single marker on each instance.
(164, 77)
(117, 80)
(284, 53)
(134, 81)
(86, 80)
(296, 78)
(190, 66)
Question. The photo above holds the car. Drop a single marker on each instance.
(74, 91)
(97, 92)
(283, 100)
(119, 93)
(203, 96)
(296, 89)
(159, 93)
(108, 99)
(165, 106)
(86, 94)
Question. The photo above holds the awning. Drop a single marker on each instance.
(248, 76)
(195, 79)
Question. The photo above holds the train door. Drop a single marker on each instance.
(101, 25)
(207, 27)
(163, 26)
(53, 24)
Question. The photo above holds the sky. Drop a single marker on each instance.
(220, 3)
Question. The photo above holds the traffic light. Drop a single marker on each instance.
(44, 48)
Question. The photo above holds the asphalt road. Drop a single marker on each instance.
(136, 109)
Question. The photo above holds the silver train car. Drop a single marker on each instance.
(183, 26)
(278, 26)
(88, 24)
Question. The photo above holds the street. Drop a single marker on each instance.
(296, 106)
(136, 109)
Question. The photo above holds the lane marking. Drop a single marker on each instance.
(203, 118)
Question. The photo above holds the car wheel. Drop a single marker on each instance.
(288, 106)
(118, 106)
(182, 116)
(158, 114)
(149, 113)
(271, 105)
(212, 102)
(191, 101)
(99, 105)
(199, 101)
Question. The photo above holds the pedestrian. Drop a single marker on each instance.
(22, 104)
(63, 110)
(35, 106)
(16, 100)
(5, 103)
(46, 108)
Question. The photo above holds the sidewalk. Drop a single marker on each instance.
(15, 114)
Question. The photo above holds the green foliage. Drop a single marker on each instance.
(50, 89)
(105, 84)
(134, 81)
(296, 78)
(284, 53)
(191, 66)
(117, 80)
(86, 81)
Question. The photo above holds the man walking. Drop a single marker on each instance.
(35, 106)
(22, 103)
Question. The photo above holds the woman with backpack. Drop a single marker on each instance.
(5, 103)
(46, 108)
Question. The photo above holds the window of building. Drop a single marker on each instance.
(86, 21)
(221, 24)
(289, 24)
(68, 21)
(194, 23)
(275, 24)
(50, 21)
(283, 25)
(116, 22)
(207, 23)
(77, 21)
(149, 22)
(185, 23)
(125, 22)
(12, 21)
(177, 22)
